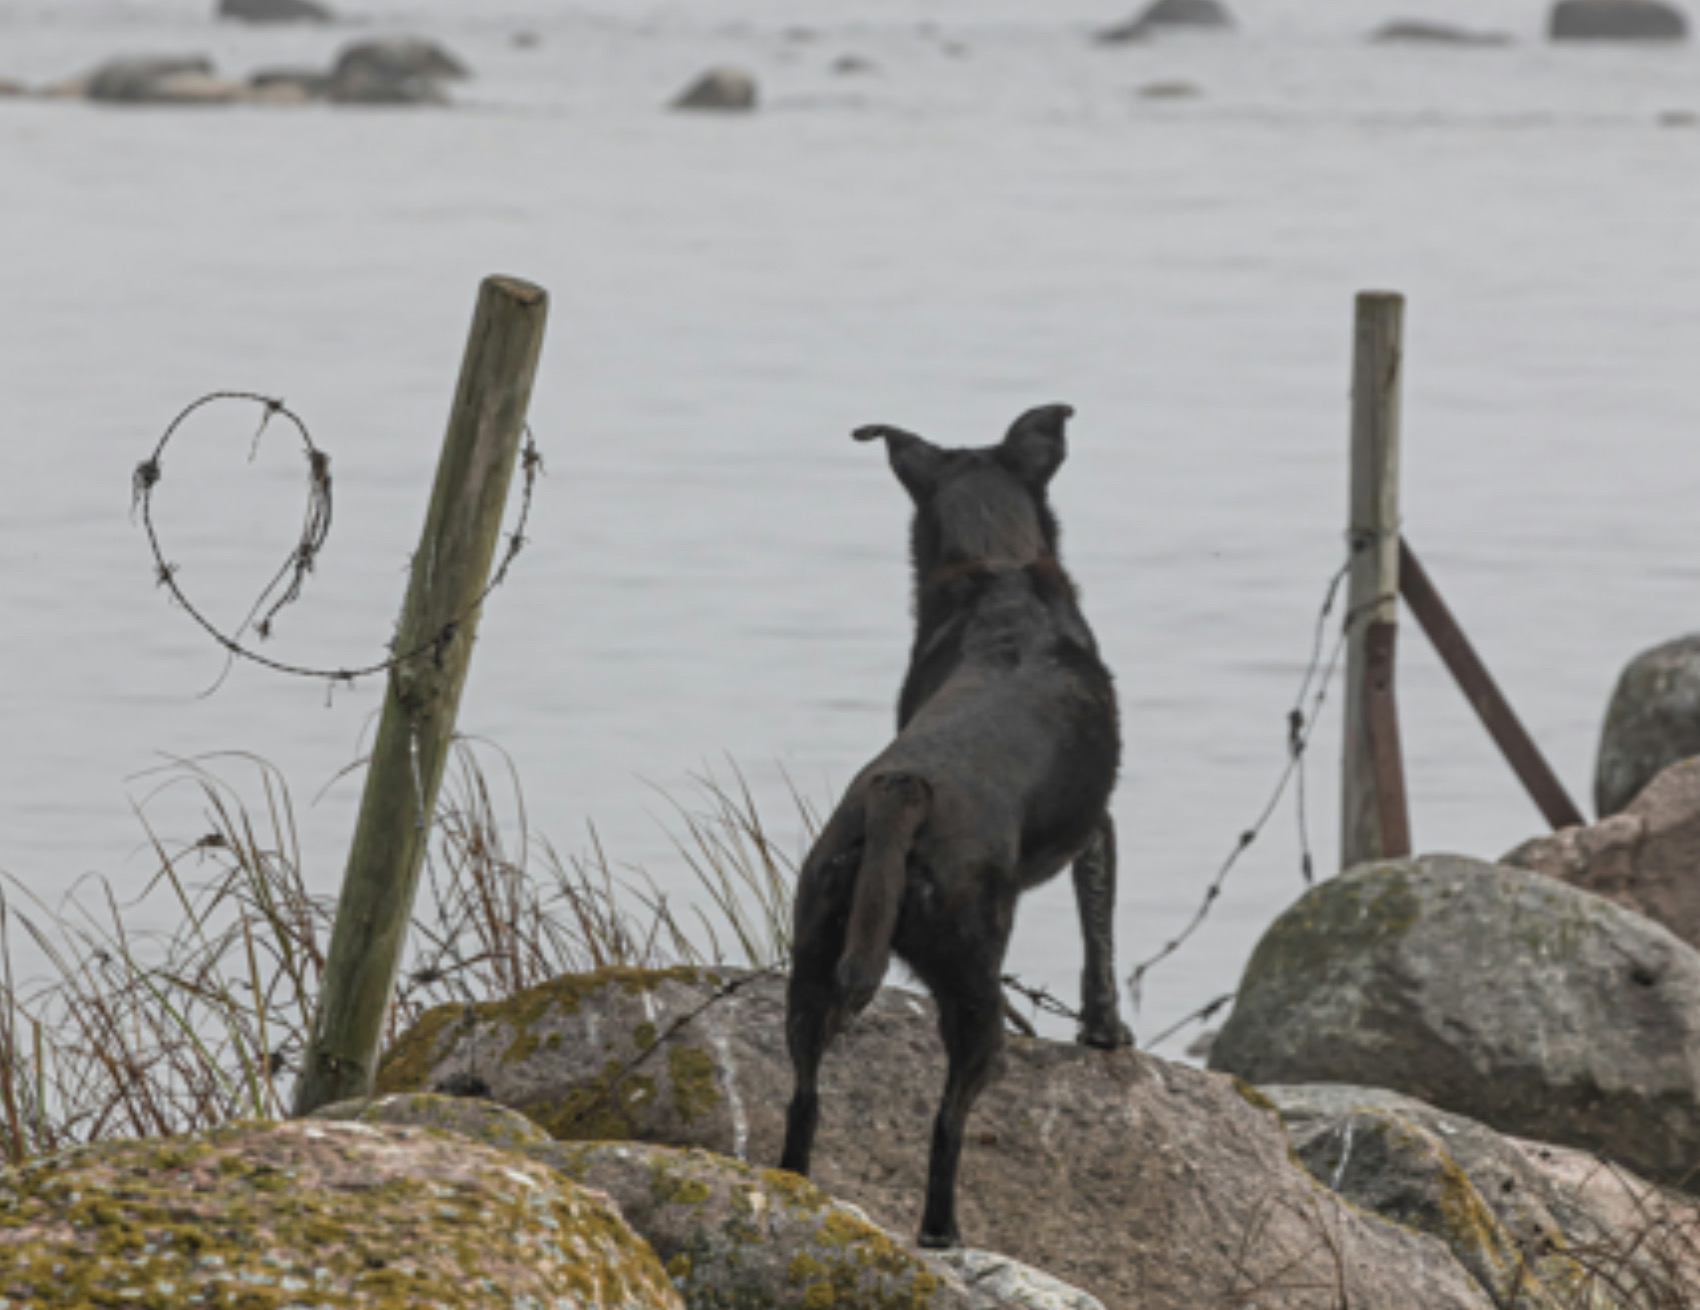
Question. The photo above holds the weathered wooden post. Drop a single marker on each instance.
(438, 624)
(1374, 822)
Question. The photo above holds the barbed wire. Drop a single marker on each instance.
(292, 575)
(1301, 724)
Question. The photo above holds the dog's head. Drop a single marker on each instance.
(981, 506)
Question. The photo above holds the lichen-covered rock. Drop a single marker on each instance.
(1647, 858)
(482, 1121)
(733, 1237)
(1503, 995)
(1583, 1230)
(1617, 20)
(1652, 722)
(316, 1214)
(1145, 1184)
(1394, 1156)
(720, 89)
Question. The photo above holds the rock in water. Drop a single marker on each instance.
(1646, 859)
(314, 1213)
(1492, 992)
(394, 71)
(137, 81)
(275, 11)
(1617, 20)
(1148, 1185)
(719, 89)
(1422, 33)
(1196, 14)
(1653, 721)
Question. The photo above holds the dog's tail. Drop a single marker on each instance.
(895, 808)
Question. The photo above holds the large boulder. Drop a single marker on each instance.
(1653, 721)
(1146, 1184)
(1197, 15)
(394, 71)
(1647, 858)
(719, 89)
(1617, 20)
(275, 11)
(1538, 1225)
(311, 1213)
(1500, 994)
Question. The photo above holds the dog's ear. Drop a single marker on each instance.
(1036, 446)
(915, 460)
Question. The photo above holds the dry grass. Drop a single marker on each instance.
(152, 1034)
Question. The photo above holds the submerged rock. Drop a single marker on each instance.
(1646, 859)
(1195, 14)
(1617, 20)
(719, 89)
(314, 1213)
(1423, 33)
(275, 11)
(1147, 1185)
(1529, 1005)
(1653, 721)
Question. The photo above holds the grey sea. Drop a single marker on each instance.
(992, 216)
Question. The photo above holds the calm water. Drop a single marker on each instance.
(993, 219)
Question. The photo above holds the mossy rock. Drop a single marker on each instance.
(735, 1237)
(258, 1215)
(615, 1055)
(1526, 1004)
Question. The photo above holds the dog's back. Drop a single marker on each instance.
(999, 776)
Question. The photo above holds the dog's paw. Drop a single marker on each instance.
(1106, 1036)
(939, 1241)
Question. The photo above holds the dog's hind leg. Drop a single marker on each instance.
(814, 1007)
(813, 1016)
(971, 1022)
(1095, 891)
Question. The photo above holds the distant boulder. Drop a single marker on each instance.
(275, 11)
(1170, 91)
(1421, 33)
(1198, 14)
(725, 89)
(394, 71)
(1653, 721)
(1617, 20)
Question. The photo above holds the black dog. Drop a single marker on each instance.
(1001, 773)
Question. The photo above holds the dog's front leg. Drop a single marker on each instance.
(1095, 891)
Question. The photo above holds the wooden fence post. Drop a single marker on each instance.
(1374, 821)
(439, 620)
